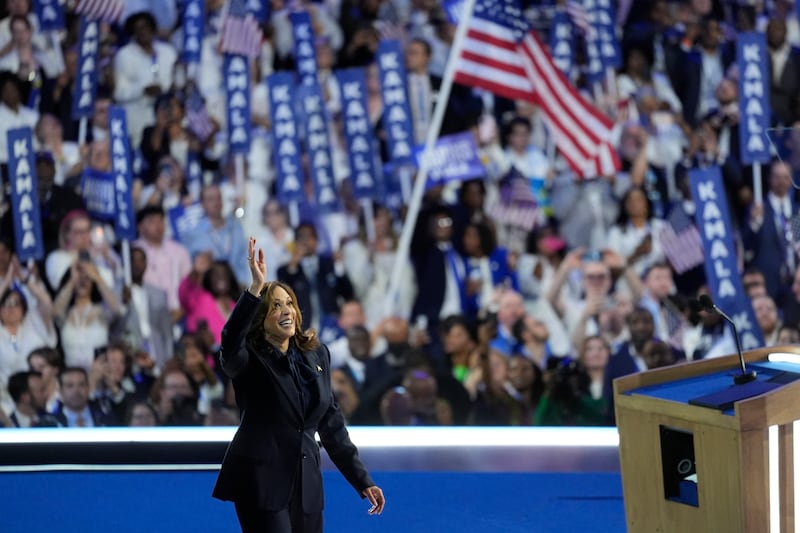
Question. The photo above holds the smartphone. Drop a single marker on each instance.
(83, 255)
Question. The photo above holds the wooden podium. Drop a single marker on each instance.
(664, 439)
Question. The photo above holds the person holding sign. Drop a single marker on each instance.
(281, 373)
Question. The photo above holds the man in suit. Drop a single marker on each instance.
(767, 233)
(29, 394)
(319, 281)
(784, 68)
(463, 108)
(75, 408)
(147, 323)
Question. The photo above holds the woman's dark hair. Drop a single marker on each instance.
(233, 283)
(304, 340)
(453, 321)
(96, 297)
(23, 302)
(465, 186)
(623, 218)
(51, 356)
(129, 412)
(19, 18)
(127, 354)
(486, 237)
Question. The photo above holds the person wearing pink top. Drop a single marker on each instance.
(208, 294)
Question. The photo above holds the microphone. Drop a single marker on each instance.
(705, 302)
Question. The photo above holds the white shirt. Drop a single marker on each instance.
(14, 349)
(452, 292)
(779, 58)
(135, 70)
(167, 265)
(9, 119)
(420, 96)
(72, 417)
(139, 301)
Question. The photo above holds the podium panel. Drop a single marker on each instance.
(694, 447)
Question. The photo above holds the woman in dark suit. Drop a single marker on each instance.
(281, 374)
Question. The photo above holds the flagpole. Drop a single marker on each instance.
(369, 219)
(758, 194)
(403, 247)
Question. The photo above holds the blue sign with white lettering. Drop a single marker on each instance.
(236, 74)
(183, 219)
(24, 195)
(602, 16)
(86, 81)
(260, 9)
(754, 87)
(305, 53)
(562, 42)
(358, 133)
(50, 14)
(193, 23)
(318, 148)
(99, 194)
(396, 109)
(724, 282)
(285, 139)
(454, 158)
(125, 219)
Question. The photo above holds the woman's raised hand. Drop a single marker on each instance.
(258, 268)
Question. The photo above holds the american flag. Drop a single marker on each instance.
(105, 10)
(197, 120)
(580, 17)
(681, 241)
(503, 55)
(241, 33)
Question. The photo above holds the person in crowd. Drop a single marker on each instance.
(510, 309)
(146, 323)
(28, 392)
(487, 267)
(168, 261)
(193, 354)
(460, 347)
(55, 200)
(575, 392)
(427, 407)
(638, 74)
(344, 390)
(276, 234)
(208, 294)
(143, 70)
(141, 414)
(320, 281)
(766, 233)
(263, 345)
(709, 337)
(222, 236)
(531, 336)
(48, 362)
(529, 160)
(24, 325)
(768, 318)
(57, 93)
(169, 188)
(24, 60)
(784, 69)
(14, 113)
(78, 239)
(167, 137)
(115, 381)
(537, 264)
(788, 335)
(359, 351)
(175, 397)
(76, 409)
(84, 308)
(658, 296)
(351, 314)
(635, 236)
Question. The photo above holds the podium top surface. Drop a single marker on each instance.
(717, 390)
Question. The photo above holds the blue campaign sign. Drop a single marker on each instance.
(86, 81)
(318, 148)
(454, 158)
(285, 139)
(236, 74)
(725, 283)
(396, 110)
(602, 15)
(184, 219)
(358, 133)
(194, 174)
(562, 42)
(24, 196)
(305, 53)
(124, 219)
(193, 23)
(99, 194)
(50, 14)
(754, 85)
(260, 9)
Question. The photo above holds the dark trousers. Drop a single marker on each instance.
(253, 519)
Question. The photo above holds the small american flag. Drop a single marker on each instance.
(681, 241)
(241, 33)
(581, 18)
(197, 120)
(105, 10)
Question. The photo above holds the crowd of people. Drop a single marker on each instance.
(495, 323)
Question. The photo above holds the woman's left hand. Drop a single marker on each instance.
(375, 496)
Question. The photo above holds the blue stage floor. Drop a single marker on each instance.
(178, 502)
